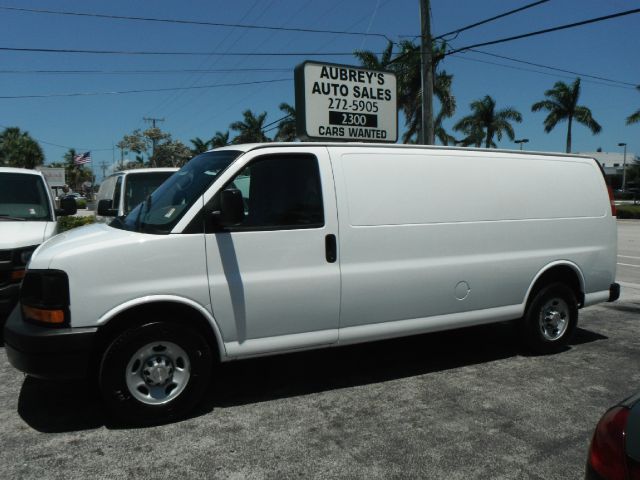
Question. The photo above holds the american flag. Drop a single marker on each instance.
(82, 158)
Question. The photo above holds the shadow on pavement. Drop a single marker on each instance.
(50, 406)
(60, 406)
(269, 378)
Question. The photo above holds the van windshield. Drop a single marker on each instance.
(164, 208)
(140, 185)
(23, 198)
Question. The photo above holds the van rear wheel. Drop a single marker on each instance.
(551, 319)
(154, 372)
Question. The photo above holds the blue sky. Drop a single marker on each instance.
(607, 49)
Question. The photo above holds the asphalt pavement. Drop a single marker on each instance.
(466, 404)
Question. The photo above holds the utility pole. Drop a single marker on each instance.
(426, 51)
(624, 166)
(153, 121)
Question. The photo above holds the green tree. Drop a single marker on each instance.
(473, 136)
(486, 119)
(76, 175)
(562, 104)
(132, 143)
(199, 146)
(220, 139)
(406, 66)
(19, 149)
(171, 153)
(147, 143)
(635, 116)
(287, 126)
(371, 61)
(250, 130)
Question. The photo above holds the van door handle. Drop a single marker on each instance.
(331, 248)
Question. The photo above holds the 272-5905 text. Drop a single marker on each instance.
(353, 106)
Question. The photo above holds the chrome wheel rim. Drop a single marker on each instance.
(554, 319)
(158, 372)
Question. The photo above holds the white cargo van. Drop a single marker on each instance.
(262, 249)
(121, 192)
(27, 218)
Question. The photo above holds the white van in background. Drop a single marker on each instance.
(28, 217)
(120, 192)
(262, 249)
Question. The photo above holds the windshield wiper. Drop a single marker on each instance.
(9, 217)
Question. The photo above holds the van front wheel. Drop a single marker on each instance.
(550, 319)
(155, 372)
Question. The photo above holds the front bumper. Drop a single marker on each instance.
(45, 352)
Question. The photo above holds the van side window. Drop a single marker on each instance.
(279, 192)
(116, 194)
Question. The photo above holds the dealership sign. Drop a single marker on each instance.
(340, 102)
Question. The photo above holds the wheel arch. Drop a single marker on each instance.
(150, 308)
(562, 271)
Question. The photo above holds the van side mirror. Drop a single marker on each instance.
(231, 209)
(105, 210)
(67, 207)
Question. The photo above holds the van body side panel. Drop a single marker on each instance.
(270, 283)
(434, 233)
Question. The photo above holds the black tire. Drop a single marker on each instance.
(159, 352)
(550, 319)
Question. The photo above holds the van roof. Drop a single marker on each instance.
(28, 171)
(246, 147)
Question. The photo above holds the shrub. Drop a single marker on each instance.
(67, 223)
(628, 211)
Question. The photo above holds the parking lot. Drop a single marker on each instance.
(458, 405)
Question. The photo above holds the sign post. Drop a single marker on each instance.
(341, 102)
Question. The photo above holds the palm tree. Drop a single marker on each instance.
(250, 129)
(474, 135)
(19, 149)
(406, 66)
(371, 61)
(287, 127)
(562, 104)
(199, 145)
(220, 139)
(487, 120)
(635, 116)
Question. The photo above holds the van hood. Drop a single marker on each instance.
(81, 241)
(15, 234)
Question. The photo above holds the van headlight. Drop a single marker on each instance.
(20, 261)
(44, 297)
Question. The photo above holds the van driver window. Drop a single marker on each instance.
(280, 191)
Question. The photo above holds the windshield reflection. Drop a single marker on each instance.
(162, 210)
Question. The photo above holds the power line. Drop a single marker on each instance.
(586, 75)
(194, 79)
(546, 30)
(141, 72)
(201, 54)
(65, 146)
(611, 83)
(190, 22)
(82, 94)
(496, 17)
